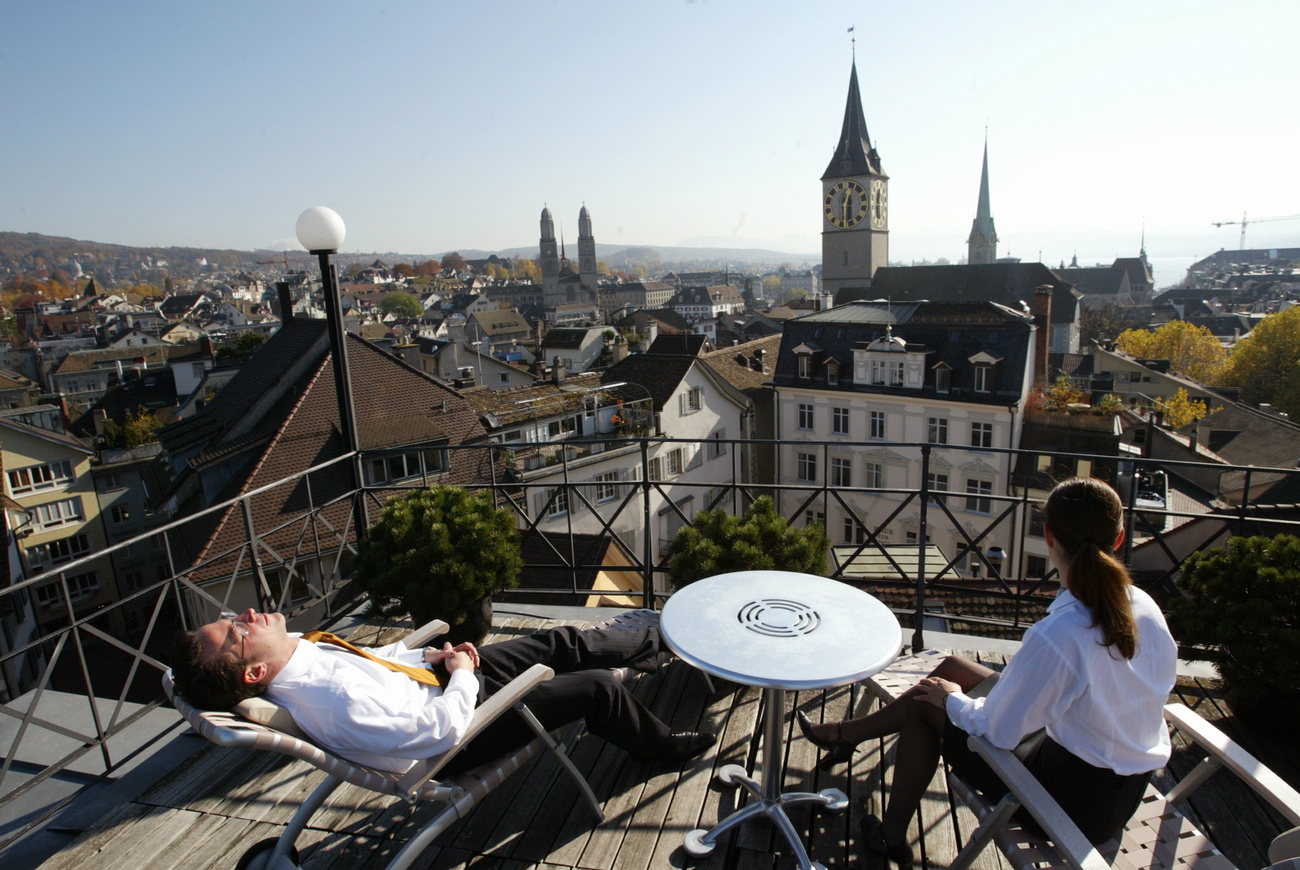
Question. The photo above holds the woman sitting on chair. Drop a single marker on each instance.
(1095, 673)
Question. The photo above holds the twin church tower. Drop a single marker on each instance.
(855, 221)
(855, 207)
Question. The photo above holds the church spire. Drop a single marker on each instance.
(982, 245)
(854, 154)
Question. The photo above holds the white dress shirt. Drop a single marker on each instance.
(1101, 707)
(364, 712)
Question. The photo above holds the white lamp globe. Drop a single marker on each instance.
(320, 229)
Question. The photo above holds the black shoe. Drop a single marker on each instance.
(874, 840)
(680, 747)
(838, 751)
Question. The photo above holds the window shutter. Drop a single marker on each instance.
(683, 404)
(656, 469)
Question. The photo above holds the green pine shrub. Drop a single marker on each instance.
(1243, 609)
(718, 542)
(434, 553)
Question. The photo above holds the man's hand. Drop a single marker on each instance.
(448, 654)
(936, 690)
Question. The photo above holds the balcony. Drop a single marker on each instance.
(83, 702)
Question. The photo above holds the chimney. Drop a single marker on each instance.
(618, 352)
(557, 372)
(1043, 321)
(286, 300)
(205, 345)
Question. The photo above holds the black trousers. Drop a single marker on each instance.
(583, 688)
(1098, 800)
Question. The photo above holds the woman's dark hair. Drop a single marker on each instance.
(1086, 518)
(209, 685)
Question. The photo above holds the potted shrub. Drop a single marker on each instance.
(1243, 609)
(719, 542)
(440, 553)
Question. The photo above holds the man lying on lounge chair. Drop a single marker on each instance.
(358, 708)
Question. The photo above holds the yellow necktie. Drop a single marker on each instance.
(420, 675)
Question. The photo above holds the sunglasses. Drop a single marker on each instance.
(241, 629)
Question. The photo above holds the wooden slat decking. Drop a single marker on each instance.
(207, 812)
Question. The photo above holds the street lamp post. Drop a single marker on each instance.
(321, 231)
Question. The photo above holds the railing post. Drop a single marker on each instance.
(918, 632)
(647, 550)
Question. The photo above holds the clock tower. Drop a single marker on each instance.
(855, 205)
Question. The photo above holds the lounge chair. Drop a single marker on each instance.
(260, 724)
(1158, 836)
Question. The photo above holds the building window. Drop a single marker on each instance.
(120, 513)
(805, 416)
(936, 483)
(878, 372)
(981, 434)
(806, 467)
(896, 373)
(854, 532)
(57, 513)
(833, 373)
(942, 379)
(52, 553)
(937, 430)
(403, 466)
(558, 499)
(132, 581)
(814, 518)
(718, 444)
(875, 475)
(673, 462)
(113, 481)
(35, 478)
(607, 486)
(692, 400)
(805, 367)
(841, 471)
(79, 586)
(877, 419)
(983, 379)
(977, 498)
(839, 421)
(1035, 567)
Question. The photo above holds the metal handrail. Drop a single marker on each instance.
(113, 678)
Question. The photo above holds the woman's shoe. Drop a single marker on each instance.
(838, 751)
(874, 839)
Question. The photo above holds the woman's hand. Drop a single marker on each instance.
(936, 690)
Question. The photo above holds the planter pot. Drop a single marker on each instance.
(474, 625)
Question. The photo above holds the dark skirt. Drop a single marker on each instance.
(1097, 799)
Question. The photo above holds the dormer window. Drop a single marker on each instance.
(889, 361)
(804, 356)
(833, 373)
(942, 378)
(985, 371)
(805, 367)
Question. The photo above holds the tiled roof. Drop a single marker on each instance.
(679, 343)
(747, 367)
(1096, 280)
(1009, 284)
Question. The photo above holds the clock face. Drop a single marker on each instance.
(846, 204)
(879, 204)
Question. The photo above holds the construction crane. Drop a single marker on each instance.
(1242, 244)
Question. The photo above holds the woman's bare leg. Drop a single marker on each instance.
(896, 715)
(919, 725)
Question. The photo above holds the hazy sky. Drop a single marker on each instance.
(432, 125)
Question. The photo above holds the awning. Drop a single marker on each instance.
(873, 564)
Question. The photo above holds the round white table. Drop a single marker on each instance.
(779, 631)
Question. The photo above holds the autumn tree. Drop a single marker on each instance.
(1181, 410)
(401, 304)
(1191, 350)
(525, 268)
(427, 267)
(138, 427)
(406, 270)
(1265, 364)
(455, 262)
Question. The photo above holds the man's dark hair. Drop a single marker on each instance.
(209, 685)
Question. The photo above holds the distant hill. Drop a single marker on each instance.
(33, 252)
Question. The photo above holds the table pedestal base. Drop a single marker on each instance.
(700, 842)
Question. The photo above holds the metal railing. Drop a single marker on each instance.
(76, 678)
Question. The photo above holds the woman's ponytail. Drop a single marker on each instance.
(1086, 517)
